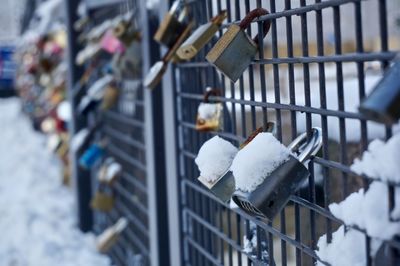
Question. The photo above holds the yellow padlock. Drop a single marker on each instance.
(210, 115)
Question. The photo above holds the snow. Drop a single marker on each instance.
(346, 248)
(64, 111)
(214, 158)
(38, 225)
(113, 170)
(369, 211)
(257, 160)
(207, 111)
(381, 160)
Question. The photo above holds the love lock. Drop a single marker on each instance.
(383, 104)
(110, 97)
(210, 115)
(173, 24)
(224, 186)
(91, 156)
(234, 52)
(102, 201)
(271, 196)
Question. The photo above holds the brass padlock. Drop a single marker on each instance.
(201, 36)
(110, 98)
(102, 201)
(210, 115)
(234, 52)
(173, 24)
(125, 33)
(110, 236)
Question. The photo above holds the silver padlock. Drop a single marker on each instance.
(235, 51)
(272, 195)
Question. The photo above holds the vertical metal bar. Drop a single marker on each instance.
(81, 180)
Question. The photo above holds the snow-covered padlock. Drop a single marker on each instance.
(271, 191)
(102, 201)
(91, 156)
(214, 160)
(109, 171)
(109, 237)
(210, 115)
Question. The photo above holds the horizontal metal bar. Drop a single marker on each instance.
(114, 150)
(117, 135)
(219, 133)
(135, 221)
(122, 191)
(204, 252)
(123, 119)
(134, 181)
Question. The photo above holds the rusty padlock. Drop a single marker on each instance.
(102, 201)
(234, 52)
(224, 186)
(173, 24)
(201, 36)
(272, 195)
(210, 115)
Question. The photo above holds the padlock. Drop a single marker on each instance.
(156, 72)
(210, 115)
(201, 36)
(110, 98)
(89, 52)
(91, 156)
(234, 52)
(387, 254)
(109, 237)
(111, 44)
(102, 201)
(271, 196)
(173, 24)
(109, 171)
(125, 32)
(383, 104)
(224, 186)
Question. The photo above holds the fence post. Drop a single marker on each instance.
(81, 179)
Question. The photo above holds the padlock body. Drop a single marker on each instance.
(271, 196)
(223, 188)
(233, 53)
(169, 31)
(213, 123)
(91, 156)
(199, 38)
(102, 202)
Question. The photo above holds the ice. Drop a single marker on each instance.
(381, 160)
(215, 158)
(346, 248)
(257, 160)
(369, 211)
(38, 214)
(207, 110)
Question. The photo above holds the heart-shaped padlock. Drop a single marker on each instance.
(271, 196)
(210, 115)
(233, 53)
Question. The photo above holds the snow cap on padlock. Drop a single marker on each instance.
(270, 196)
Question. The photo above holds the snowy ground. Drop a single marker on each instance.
(37, 224)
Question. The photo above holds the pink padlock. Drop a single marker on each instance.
(111, 44)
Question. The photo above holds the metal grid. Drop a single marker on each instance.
(292, 83)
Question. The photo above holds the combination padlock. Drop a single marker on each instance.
(109, 172)
(272, 195)
(201, 36)
(102, 201)
(234, 52)
(92, 155)
(173, 24)
(210, 115)
(156, 72)
(224, 185)
(383, 104)
(109, 237)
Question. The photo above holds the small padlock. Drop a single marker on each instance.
(109, 237)
(201, 36)
(173, 24)
(224, 186)
(210, 115)
(125, 32)
(91, 156)
(110, 98)
(383, 104)
(102, 201)
(109, 171)
(156, 72)
(234, 52)
(271, 196)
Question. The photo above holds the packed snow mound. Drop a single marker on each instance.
(381, 160)
(38, 225)
(207, 110)
(257, 160)
(215, 157)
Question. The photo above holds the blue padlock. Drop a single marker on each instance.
(91, 156)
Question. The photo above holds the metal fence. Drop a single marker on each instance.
(314, 66)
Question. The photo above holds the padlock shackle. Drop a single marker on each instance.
(218, 19)
(255, 13)
(307, 146)
(268, 128)
(211, 92)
